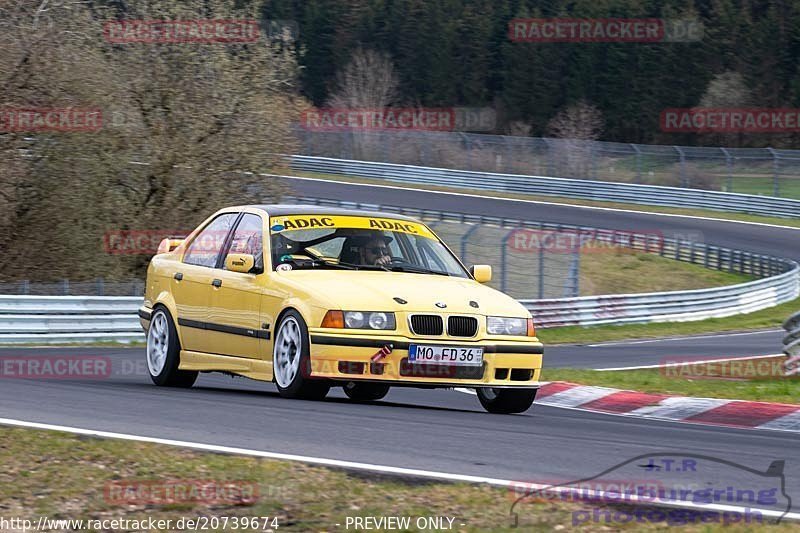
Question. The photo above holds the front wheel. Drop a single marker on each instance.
(291, 360)
(164, 353)
(365, 392)
(506, 401)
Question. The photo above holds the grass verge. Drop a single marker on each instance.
(619, 270)
(63, 476)
(758, 380)
(765, 319)
(710, 213)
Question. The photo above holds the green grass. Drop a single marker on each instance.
(681, 382)
(764, 319)
(723, 215)
(620, 271)
(63, 476)
(764, 185)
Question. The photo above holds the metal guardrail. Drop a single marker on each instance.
(66, 319)
(549, 186)
(47, 319)
(791, 345)
(767, 171)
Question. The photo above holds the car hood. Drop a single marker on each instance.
(375, 291)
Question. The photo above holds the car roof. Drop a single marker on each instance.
(304, 209)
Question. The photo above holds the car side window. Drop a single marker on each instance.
(247, 239)
(206, 246)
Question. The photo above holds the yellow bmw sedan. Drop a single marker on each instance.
(310, 298)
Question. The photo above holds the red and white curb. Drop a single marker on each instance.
(709, 411)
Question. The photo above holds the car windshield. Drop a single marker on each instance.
(359, 243)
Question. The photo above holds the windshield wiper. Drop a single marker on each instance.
(417, 270)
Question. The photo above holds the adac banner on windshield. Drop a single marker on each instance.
(318, 222)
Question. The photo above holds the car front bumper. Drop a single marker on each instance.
(506, 364)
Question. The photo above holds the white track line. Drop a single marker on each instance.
(506, 483)
(538, 202)
(688, 362)
(688, 337)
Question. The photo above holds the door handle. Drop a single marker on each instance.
(217, 283)
(178, 276)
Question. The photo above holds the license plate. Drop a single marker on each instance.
(445, 355)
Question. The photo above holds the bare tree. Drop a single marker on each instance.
(727, 89)
(181, 124)
(580, 120)
(367, 81)
(577, 126)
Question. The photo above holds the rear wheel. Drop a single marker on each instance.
(164, 352)
(292, 361)
(365, 392)
(506, 401)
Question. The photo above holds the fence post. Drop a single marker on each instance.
(550, 167)
(575, 272)
(684, 180)
(464, 239)
(638, 163)
(504, 261)
(776, 187)
(729, 165)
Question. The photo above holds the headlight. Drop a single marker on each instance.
(498, 325)
(369, 320)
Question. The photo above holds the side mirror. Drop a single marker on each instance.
(240, 262)
(481, 273)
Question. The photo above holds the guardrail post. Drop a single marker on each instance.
(776, 187)
(65, 287)
(100, 287)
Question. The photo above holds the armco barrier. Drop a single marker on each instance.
(42, 319)
(549, 186)
(791, 344)
(65, 319)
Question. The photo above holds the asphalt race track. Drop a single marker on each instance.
(443, 431)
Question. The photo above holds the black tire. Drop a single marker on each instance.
(506, 401)
(168, 374)
(365, 392)
(298, 384)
